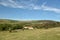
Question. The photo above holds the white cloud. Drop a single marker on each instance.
(29, 5)
(36, 7)
(18, 4)
(10, 3)
(3, 4)
(47, 8)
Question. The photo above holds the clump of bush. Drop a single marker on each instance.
(46, 25)
(6, 27)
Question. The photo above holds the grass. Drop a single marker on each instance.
(35, 34)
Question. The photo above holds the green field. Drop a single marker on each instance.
(35, 34)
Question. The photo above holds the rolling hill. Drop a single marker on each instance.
(14, 24)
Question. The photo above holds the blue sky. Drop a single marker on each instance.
(30, 9)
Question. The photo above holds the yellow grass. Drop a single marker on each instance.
(35, 34)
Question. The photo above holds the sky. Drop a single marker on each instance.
(30, 9)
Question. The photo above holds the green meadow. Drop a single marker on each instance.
(35, 34)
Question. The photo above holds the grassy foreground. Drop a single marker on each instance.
(35, 34)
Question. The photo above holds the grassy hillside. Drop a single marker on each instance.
(35, 34)
(6, 24)
(44, 30)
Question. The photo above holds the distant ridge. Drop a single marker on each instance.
(9, 20)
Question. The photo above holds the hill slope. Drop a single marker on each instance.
(14, 24)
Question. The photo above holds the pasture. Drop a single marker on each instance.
(35, 34)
